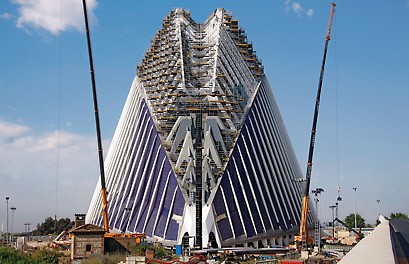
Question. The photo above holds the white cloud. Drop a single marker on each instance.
(35, 168)
(309, 12)
(297, 9)
(5, 16)
(287, 5)
(47, 15)
(8, 130)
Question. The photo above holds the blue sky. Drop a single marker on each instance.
(48, 152)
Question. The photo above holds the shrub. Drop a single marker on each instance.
(10, 256)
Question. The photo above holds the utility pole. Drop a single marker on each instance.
(12, 221)
(7, 213)
(355, 204)
(27, 227)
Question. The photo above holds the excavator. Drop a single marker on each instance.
(138, 236)
(359, 234)
(304, 239)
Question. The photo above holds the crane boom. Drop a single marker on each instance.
(100, 153)
(304, 214)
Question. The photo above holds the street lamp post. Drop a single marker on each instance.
(379, 208)
(7, 213)
(333, 229)
(317, 191)
(336, 217)
(355, 204)
(12, 221)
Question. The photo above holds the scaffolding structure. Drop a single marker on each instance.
(209, 68)
(200, 150)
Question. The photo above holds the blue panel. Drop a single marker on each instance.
(249, 195)
(157, 198)
(160, 229)
(218, 203)
(142, 160)
(246, 184)
(146, 158)
(231, 204)
(260, 153)
(266, 189)
(220, 209)
(268, 171)
(149, 188)
(263, 170)
(179, 205)
(172, 232)
(240, 195)
(283, 158)
(148, 165)
(263, 209)
(113, 212)
(283, 223)
(224, 229)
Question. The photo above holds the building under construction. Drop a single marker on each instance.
(200, 154)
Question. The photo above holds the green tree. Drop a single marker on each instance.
(64, 224)
(45, 228)
(350, 221)
(50, 226)
(399, 216)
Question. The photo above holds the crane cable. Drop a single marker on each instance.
(59, 123)
(336, 110)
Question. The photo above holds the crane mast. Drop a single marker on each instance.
(304, 215)
(100, 153)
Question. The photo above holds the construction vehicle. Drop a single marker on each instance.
(359, 234)
(303, 239)
(138, 237)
